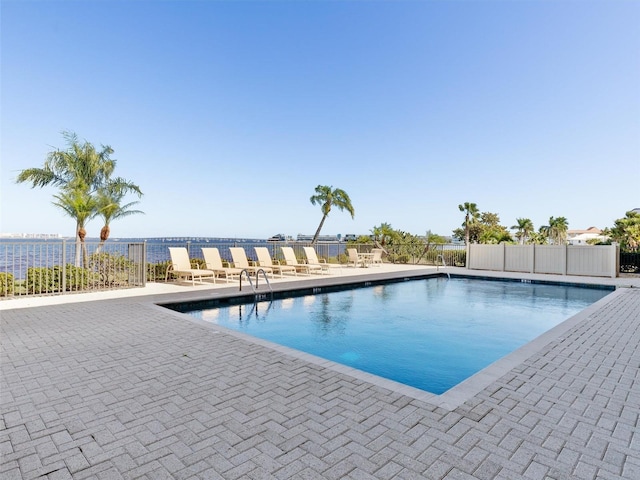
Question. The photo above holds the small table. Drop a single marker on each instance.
(365, 259)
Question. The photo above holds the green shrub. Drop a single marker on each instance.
(110, 269)
(157, 271)
(398, 258)
(6, 284)
(431, 256)
(403, 258)
(49, 280)
(77, 278)
(44, 280)
(198, 263)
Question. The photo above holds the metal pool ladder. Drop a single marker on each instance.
(257, 295)
(444, 264)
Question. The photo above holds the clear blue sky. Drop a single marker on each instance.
(229, 113)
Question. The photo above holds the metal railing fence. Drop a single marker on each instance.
(333, 252)
(29, 267)
(54, 267)
(629, 262)
(59, 266)
(158, 257)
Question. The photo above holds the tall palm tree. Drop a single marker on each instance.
(472, 215)
(79, 171)
(327, 197)
(110, 207)
(81, 207)
(80, 166)
(524, 229)
(556, 231)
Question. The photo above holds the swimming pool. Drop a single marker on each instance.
(430, 334)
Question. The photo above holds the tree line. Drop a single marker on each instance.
(484, 227)
(87, 186)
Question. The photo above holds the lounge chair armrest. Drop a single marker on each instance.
(168, 272)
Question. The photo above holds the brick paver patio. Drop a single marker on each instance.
(122, 388)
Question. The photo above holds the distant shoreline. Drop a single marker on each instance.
(57, 237)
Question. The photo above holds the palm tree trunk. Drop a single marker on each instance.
(315, 237)
(466, 229)
(104, 235)
(78, 245)
(82, 233)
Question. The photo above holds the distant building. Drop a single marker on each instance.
(581, 237)
(321, 238)
(39, 236)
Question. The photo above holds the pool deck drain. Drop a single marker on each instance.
(121, 388)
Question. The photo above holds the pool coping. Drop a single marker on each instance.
(455, 396)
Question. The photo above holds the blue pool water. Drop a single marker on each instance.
(430, 334)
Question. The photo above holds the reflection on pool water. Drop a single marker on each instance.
(430, 334)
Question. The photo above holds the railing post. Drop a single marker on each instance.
(64, 266)
(144, 263)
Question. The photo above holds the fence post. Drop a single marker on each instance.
(144, 263)
(64, 266)
(467, 257)
(137, 255)
(615, 259)
(533, 257)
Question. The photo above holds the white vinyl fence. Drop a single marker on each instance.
(588, 260)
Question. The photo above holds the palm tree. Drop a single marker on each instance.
(626, 231)
(110, 206)
(328, 197)
(80, 172)
(524, 229)
(472, 215)
(80, 166)
(538, 238)
(382, 234)
(556, 231)
(81, 207)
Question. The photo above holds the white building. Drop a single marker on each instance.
(581, 237)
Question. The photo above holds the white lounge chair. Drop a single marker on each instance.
(241, 261)
(355, 258)
(312, 259)
(290, 259)
(180, 266)
(376, 256)
(264, 259)
(214, 262)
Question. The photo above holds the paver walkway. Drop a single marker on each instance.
(123, 389)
